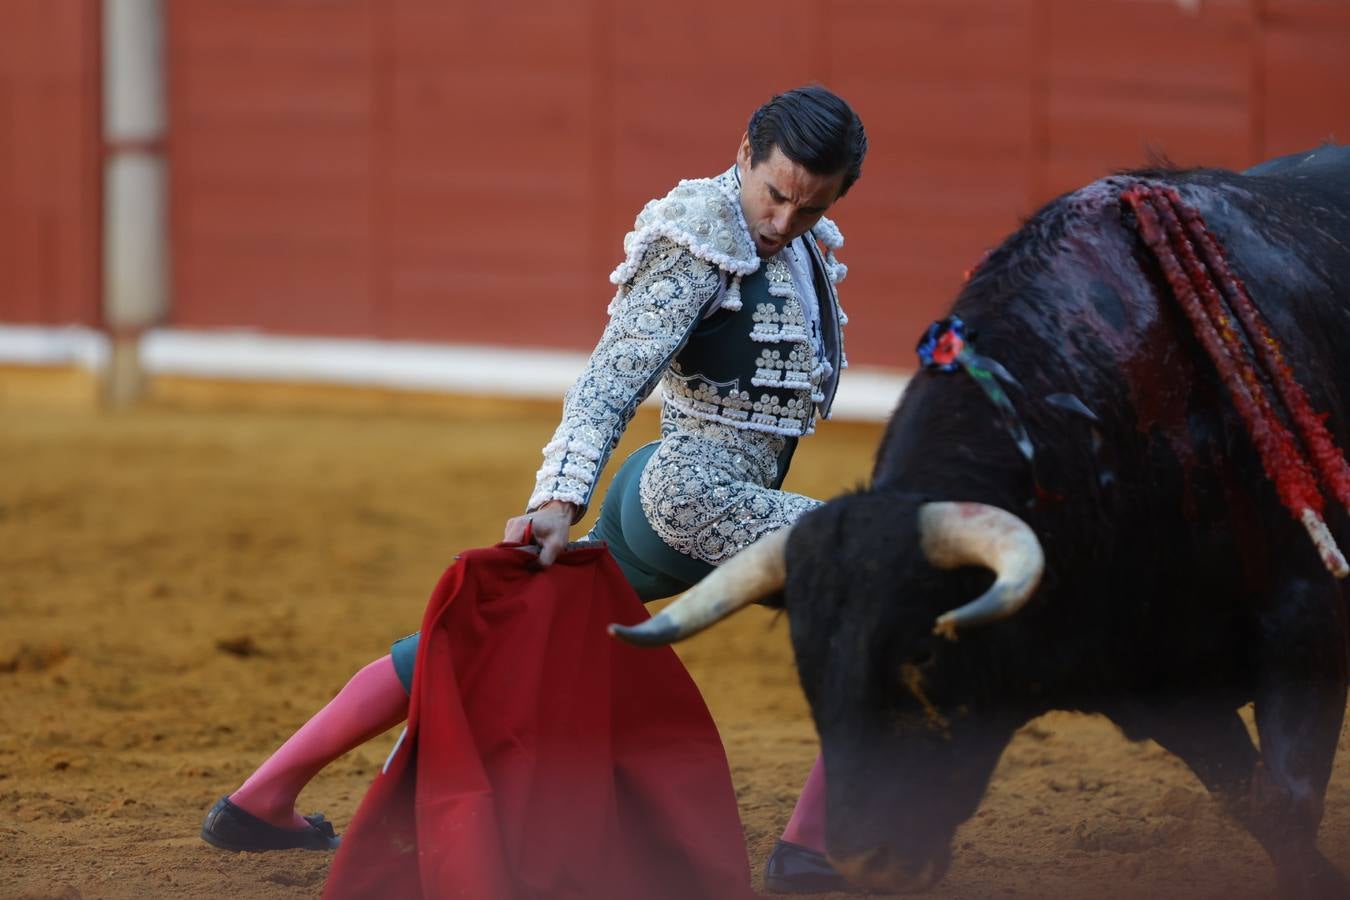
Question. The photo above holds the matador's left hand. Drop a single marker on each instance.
(549, 526)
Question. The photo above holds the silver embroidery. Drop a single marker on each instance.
(652, 318)
(682, 249)
(702, 214)
(772, 370)
(706, 490)
(770, 413)
(801, 371)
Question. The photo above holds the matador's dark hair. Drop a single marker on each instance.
(814, 128)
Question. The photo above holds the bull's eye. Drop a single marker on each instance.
(926, 657)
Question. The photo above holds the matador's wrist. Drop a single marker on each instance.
(567, 507)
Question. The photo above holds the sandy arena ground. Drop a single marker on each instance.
(179, 589)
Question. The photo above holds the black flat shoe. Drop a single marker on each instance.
(794, 869)
(231, 828)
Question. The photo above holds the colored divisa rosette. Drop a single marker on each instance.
(947, 346)
(942, 344)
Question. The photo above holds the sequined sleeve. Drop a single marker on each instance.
(651, 318)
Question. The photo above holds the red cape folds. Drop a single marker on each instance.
(543, 758)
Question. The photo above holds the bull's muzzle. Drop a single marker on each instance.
(880, 871)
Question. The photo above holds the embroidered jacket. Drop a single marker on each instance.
(721, 330)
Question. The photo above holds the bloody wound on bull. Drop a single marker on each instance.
(1178, 238)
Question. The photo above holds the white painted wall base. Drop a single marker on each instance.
(865, 393)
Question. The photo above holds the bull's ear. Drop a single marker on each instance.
(774, 601)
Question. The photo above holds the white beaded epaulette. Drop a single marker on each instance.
(702, 215)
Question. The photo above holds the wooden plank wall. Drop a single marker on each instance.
(463, 170)
(49, 162)
(1303, 54)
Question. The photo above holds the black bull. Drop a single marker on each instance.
(1176, 587)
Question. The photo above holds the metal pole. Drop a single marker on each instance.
(135, 263)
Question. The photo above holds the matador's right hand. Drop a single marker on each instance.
(548, 526)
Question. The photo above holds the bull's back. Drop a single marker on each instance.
(1327, 166)
(1285, 228)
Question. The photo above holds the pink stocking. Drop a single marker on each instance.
(806, 826)
(372, 702)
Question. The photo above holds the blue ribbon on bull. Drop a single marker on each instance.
(946, 347)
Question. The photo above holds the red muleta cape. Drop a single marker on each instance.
(545, 760)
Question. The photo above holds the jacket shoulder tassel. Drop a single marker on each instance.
(701, 215)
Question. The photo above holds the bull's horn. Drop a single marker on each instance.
(962, 534)
(753, 574)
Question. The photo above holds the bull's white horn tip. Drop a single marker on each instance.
(654, 632)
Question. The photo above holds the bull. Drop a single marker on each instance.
(1133, 533)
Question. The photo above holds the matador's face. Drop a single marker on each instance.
(781, 199)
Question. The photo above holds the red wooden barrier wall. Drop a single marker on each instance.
(464, 170)
(49, 162)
